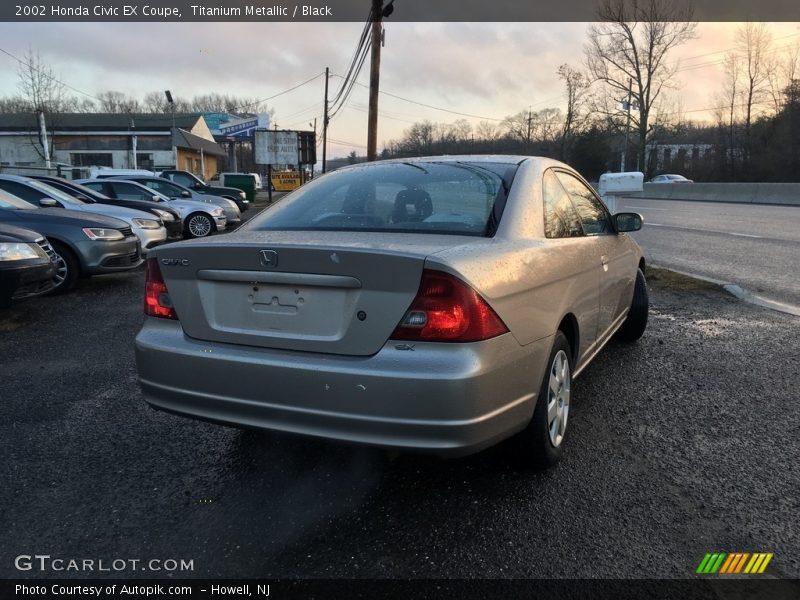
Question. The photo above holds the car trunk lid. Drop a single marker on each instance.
(304, 291)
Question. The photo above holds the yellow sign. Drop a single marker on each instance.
(286, 181)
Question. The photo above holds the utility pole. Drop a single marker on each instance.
(628, 127)
(325, 121)
(134, 142)
(379, 12)
(528, 135)
(374, 80)
(43, 137)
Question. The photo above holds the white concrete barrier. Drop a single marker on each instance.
(742, 193)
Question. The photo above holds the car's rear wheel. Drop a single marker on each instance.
(541, 444)
(636, 322)
(67, 269)
(199, 225)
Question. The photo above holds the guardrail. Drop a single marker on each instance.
(787, 194)
(66, 171)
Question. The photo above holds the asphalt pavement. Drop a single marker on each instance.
(756, 247)
(682, 444)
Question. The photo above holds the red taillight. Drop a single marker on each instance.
(157, 302)
(447, 310)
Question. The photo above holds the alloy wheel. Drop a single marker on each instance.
(558, 395)
(61, 271)
(199, 226)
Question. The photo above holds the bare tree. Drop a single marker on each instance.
(753, 42)
(156, 102)
(418, 139)
(486, 130)
(117, 102)
(519, 127)
(38, 84)
(730, 98)
(576, 87)
(629, 49)
(14, 104)
(43, 94)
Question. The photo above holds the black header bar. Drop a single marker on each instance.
(357, 10)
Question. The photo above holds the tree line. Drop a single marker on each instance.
(622, 106)
(620, 109)
(40, 89)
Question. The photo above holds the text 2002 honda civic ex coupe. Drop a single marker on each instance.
(435, 304)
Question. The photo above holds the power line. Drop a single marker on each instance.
(344, 143)
(51, 77)
(454, 112)
(353, 71)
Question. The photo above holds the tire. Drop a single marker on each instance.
(68, 269)
(636, 322)
(199, 225)
(541, 444)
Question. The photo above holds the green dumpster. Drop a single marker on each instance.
(243, 181)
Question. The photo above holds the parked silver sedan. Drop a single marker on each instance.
(438, 304)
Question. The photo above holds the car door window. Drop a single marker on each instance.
(165, 188)
(594, 216)
(97, 186)
(25, 192)
(182, 179)
(126, 191)
(561, 220)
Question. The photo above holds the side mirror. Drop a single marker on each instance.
(628, 221)
(49, 203)
(155, 198)
(186, 194)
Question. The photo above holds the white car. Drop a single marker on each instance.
(147, 227)
(669, 178)
(172, 190)
(199, 218)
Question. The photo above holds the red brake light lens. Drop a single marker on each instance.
(447, 310)
(157, 302)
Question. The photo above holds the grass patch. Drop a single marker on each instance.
(677, 281)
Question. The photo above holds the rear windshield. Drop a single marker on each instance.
(460, 198)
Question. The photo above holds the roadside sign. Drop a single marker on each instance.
(276, 147)
(286, 181)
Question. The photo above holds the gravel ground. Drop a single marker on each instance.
(681, 444)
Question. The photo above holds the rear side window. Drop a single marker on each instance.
(126, 191)
(594, 216)
(182, 179)
(95, 186)
(165, 188)
(561, 220)
(419, 197)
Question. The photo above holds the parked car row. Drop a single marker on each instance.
(53, 230)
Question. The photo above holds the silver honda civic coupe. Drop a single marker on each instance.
(434, 304)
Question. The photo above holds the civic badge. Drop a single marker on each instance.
(269, 258)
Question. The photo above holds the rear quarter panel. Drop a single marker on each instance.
(530, 281)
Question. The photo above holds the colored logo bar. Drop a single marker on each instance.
(734, 563)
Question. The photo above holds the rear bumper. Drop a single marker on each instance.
(445, 399)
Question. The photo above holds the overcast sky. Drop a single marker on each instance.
(487, 70)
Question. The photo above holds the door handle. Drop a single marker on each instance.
(604, 262)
